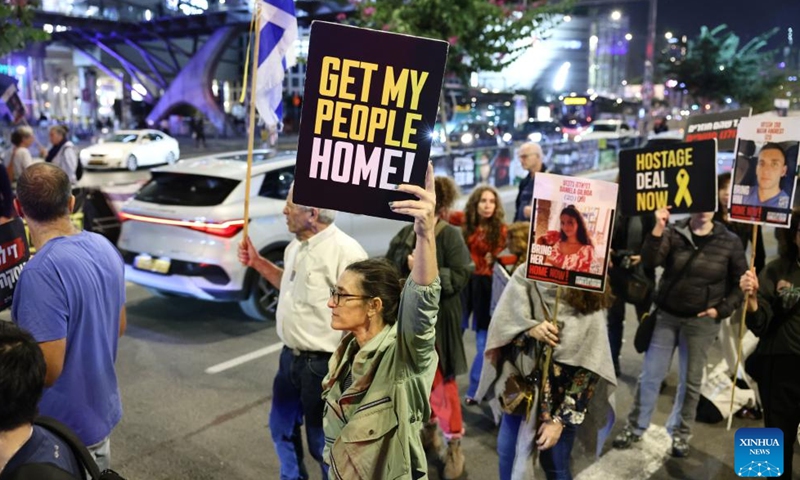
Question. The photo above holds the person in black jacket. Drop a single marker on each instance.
(774, 316)
(626, 258)
(702, 263)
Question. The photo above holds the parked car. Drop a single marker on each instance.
(609, 130)
(475, 134)
(181, 231)
(131, 149)
(539, 131)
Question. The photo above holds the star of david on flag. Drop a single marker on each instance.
(278, 33)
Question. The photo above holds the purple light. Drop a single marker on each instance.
(782, 65)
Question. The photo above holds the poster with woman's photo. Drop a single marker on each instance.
(570, 233)
(764, 170)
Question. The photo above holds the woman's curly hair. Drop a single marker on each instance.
(493, 225)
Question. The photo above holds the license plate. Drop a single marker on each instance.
(97, 162)
(150, 264)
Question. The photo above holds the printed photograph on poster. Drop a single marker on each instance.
(764, 170)
(14, 254)
(369, 107)
(680, 176)
(571, 231)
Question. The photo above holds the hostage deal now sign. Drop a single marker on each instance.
(682, 176)
(370, 105)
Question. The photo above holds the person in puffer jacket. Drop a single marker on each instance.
(690, 302)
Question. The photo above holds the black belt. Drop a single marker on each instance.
(307, 353)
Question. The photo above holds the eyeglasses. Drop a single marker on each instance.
(337, 297)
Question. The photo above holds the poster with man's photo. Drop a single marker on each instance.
(764, 170)
(570, 233)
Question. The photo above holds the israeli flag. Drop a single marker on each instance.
(276, 54)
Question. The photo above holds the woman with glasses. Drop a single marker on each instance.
(379, 379)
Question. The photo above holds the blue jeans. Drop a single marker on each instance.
(692, 336)
(554, 461)
(477, 363)
(297, 395)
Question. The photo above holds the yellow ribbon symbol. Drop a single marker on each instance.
(683, 188)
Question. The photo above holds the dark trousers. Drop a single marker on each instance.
(780, 395)
(616, 327)
(297, 399)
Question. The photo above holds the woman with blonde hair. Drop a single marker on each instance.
(20, 157)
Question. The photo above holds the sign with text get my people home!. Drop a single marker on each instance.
(369, 108)
(682, 176)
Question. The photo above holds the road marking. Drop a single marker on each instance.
(248, 357)
(639, 462)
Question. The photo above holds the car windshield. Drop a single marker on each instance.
(122, 137)
(604, 127)
(168, 188)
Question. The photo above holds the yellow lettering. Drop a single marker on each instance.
(409, 130)
(368, 69)
(417, 81)
(390, 130)
(339, 119)
(347, 79)
(358, 122)
(327, 80)
(377, 121)
(324, 113)
(651, 201)
(394, 89)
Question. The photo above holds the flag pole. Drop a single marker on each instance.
(252, 127)
(741, 329)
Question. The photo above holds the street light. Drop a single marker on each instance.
(567, 18)
(628, 37)
(616, 15)
(668, 35)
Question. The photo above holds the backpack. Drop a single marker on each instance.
(78, 167)
(48, 471)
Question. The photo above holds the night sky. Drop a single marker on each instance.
(746, 18)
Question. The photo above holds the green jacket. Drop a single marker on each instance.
(372, 428)
(455, 268)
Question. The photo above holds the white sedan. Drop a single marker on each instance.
(131, 149)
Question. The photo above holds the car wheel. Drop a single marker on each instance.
(132, 164)
(261, 303)
(171, 158)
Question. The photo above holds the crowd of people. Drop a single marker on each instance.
(372, 347)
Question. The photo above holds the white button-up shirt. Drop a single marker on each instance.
(311, 269)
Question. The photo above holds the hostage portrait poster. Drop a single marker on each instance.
(14, 254)
(764, 170)
(570, 233)
(370, 103)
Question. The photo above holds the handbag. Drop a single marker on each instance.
(647, 324)
(638, 287)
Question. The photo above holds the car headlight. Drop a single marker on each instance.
(535, 137)
(507, 137)
(577, 138)
(467, 138)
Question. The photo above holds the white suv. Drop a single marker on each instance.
(181, 231)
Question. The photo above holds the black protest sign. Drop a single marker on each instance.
(370, 104)
(14, 253)
(680, 176)
(721, 126)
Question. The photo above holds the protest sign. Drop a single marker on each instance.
(369, 108)
(571, 230)
(678, 176)
(764, 170)
(721, 126)
(14, 253)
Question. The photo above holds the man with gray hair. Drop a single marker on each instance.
(312, 263)
(71, 297)
(531, 158)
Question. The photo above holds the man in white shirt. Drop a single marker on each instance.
(312, 263)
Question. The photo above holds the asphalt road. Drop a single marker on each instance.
(180, 421)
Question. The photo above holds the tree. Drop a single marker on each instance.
(484, 35)
(16, 29)
(715, 67)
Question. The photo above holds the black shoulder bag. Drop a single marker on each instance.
(644, 332)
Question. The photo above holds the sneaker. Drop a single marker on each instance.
(625, 439)
(469, 401)
(680, 448)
